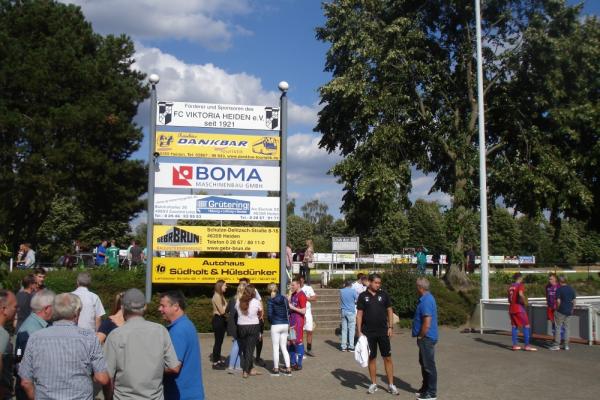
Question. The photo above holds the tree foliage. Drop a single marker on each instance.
(403, 95)
(427, 226)
(68, 100)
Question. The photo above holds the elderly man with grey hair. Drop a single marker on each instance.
(60, 361)
(425, 329)
(41, 307)
(92, 309)
(139, 353)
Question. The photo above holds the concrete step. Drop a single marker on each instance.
(327, 297)
(326, 305)
(327, 324)
(327, 291)
(326, 314)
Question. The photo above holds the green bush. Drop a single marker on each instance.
(454, 308)
(106, 284)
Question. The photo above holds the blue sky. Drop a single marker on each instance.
(236, 51)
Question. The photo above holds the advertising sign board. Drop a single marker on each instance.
(209, 145)
(345, 244)
(216, 176)
(229, 208)
(210, 270)
(216, 238)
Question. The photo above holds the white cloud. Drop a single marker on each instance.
(421, 184)
(200, 21)
(307, 163)
(180, 81)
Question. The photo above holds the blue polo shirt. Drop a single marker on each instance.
(348, 297)
(100, 258)
(187, 385)
(426, 308)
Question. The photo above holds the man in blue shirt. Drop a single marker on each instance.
(425, 329)
(565, 303)
(348, 297)
(101, 253)
(187, 384)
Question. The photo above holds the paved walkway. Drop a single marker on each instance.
(470, 366)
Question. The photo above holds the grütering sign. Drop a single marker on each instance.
(226, 116)
(345, 244)
(227, 208)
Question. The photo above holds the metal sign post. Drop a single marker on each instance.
(485, 274)
(283, 87)
(151, 166)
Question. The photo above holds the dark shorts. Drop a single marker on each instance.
(383, 342)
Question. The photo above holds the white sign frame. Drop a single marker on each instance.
(342, 244)
(219, 116)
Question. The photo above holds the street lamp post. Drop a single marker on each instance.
(283, 87)
(154, 79)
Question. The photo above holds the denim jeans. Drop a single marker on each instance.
(427, 361)
(234, 356)
(348, 329)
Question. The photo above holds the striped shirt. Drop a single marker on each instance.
(60, 361)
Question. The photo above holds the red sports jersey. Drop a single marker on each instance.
(515, 301)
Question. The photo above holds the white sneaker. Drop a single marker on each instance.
(393, 390)
(372, 388)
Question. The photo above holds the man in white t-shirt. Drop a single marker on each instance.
(91, 305)
(309, 324)
(361, 283)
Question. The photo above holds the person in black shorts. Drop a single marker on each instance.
(374, 320)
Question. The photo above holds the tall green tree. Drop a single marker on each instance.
(550, 118)
(299, 231)
(67, 103)
(427, 226)
(504, 234)
(403, 94)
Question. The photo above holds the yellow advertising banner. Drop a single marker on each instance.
(210, 270)
(216, 238)
(209, 145)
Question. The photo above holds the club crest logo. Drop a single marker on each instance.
(272, 117)
(165, 112)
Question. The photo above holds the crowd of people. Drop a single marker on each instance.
(64, 348)
(65, 344)
(560, 302)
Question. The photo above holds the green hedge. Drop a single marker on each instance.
(454, 308)
(106, 284)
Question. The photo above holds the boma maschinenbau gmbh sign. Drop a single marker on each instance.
(213, 176)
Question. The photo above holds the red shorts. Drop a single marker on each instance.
(519, 319)
(550, 314)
